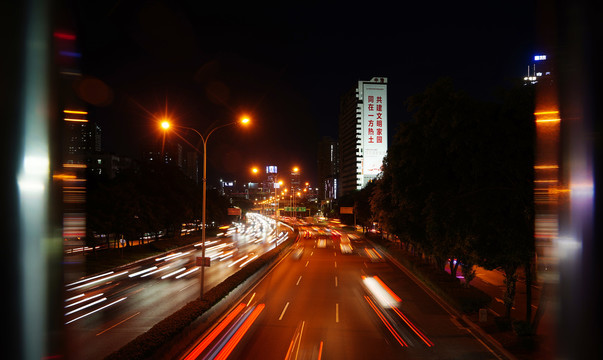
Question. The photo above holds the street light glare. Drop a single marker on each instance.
(165, 124)
(245, 120)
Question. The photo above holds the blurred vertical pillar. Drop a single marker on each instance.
(567, 30)
(33, 180)
(29, 249)
(579, 280)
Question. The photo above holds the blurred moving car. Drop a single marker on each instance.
(297, 253)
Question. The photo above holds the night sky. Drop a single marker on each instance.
(285, 65)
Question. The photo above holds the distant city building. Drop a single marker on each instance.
(328, 168)
(294, 180)
(539, 70)
(362, 134)
(82, 138)
(110, 165)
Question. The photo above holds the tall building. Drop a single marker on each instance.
(362, 133)
(328, 168)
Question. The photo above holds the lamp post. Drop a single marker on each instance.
(277, 185)
(294, 189)
(166, 125)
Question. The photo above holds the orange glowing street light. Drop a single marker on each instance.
(165, 124)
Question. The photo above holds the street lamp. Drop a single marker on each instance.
(166, 125)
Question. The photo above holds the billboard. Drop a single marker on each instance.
(234, 211)
(374, 126)
(346, 210)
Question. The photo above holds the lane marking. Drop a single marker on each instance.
(307, 262)
(335, 281)
(283, 313)
(298, 280)
(336, 312)
(119, 323)
(187, 286)
(335, 264)
(301, 333)
(252, 296)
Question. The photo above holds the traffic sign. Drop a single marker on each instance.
(199, 261)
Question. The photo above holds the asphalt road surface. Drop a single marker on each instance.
(102, 313)
(319, 303)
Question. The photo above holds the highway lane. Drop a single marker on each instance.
(104, 313)
(318, 306)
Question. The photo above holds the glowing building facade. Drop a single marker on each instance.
(362, 133)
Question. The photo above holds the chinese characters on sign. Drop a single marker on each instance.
(375, 119)
(374, 127)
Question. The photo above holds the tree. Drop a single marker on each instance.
(457, 182)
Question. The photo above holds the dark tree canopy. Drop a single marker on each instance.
(458, 179)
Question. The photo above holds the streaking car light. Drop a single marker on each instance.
(173, 273)
(387, 324)
(234, 340)
(143, 271)
(99, 309)
(86, 306)
(238, 260)
(214, 333)
(248, 261)
(156, 271)
(98, 281)
(172, 256)
(75, 297)
(414, 328)
(192, 270)
(207, 243)
(84, 300)
(386, 288)
(90, 278)
(384, 297)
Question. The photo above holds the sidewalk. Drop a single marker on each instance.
(504, 340)
(492, 282)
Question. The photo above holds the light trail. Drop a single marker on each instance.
(214, 333)
(385, 322)
(99, 309)
(192, 270)
(232, 343)
(238, 260)
(414, 328)
(143, 271)
(86, 306)
(83, 300)
(173, 273)
(98, 280)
